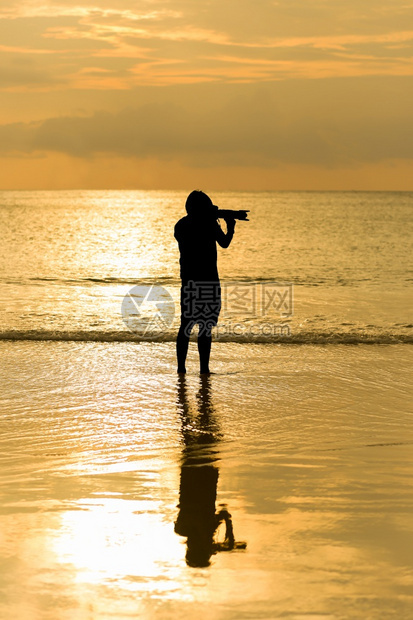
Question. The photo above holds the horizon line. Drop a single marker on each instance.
(183, 189)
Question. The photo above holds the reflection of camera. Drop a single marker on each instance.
(236, 215)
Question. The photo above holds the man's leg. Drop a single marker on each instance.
(182, 343)
(204, 348)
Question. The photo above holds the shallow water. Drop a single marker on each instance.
(313, 450)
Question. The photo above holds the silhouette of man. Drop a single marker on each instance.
(197, 234)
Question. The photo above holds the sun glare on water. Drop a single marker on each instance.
(122, 542)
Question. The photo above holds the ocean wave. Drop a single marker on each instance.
(309, 337)
(92, 280)
(174, 281)
(158, 280)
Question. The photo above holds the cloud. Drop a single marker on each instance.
(20, 72)
(230, 83)
(327, 124)
(159, 42)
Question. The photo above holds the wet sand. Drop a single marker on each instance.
(310, 447)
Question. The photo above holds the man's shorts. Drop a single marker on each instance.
(201, 302)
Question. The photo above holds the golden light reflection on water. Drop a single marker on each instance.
(127, 542)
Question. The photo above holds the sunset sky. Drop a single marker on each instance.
(217, 94)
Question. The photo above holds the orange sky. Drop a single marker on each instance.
(235, 94)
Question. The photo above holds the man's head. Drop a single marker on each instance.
(198, 203)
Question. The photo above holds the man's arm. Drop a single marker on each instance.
(225, 239)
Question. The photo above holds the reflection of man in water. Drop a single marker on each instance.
(197, 518)
(197, 235)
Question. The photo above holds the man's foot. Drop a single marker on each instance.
(181, 371)
(205, 371)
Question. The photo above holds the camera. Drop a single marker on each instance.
(236, 215)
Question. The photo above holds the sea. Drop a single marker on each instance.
(118, 475)
(341, 261)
